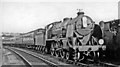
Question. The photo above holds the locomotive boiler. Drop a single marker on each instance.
(74, 38)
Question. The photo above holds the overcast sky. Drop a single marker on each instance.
(27, 15)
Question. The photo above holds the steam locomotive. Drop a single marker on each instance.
(111, 36)
(73, 38)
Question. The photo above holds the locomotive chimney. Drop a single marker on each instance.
(79, 12)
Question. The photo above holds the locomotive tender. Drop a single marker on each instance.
(73, 38)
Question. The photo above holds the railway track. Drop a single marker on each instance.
(103, 64)
(12, 59)
(88, 63)
(35, 59)
(32, 60)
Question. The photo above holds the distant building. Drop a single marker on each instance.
(119, 10)
(9, 36)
